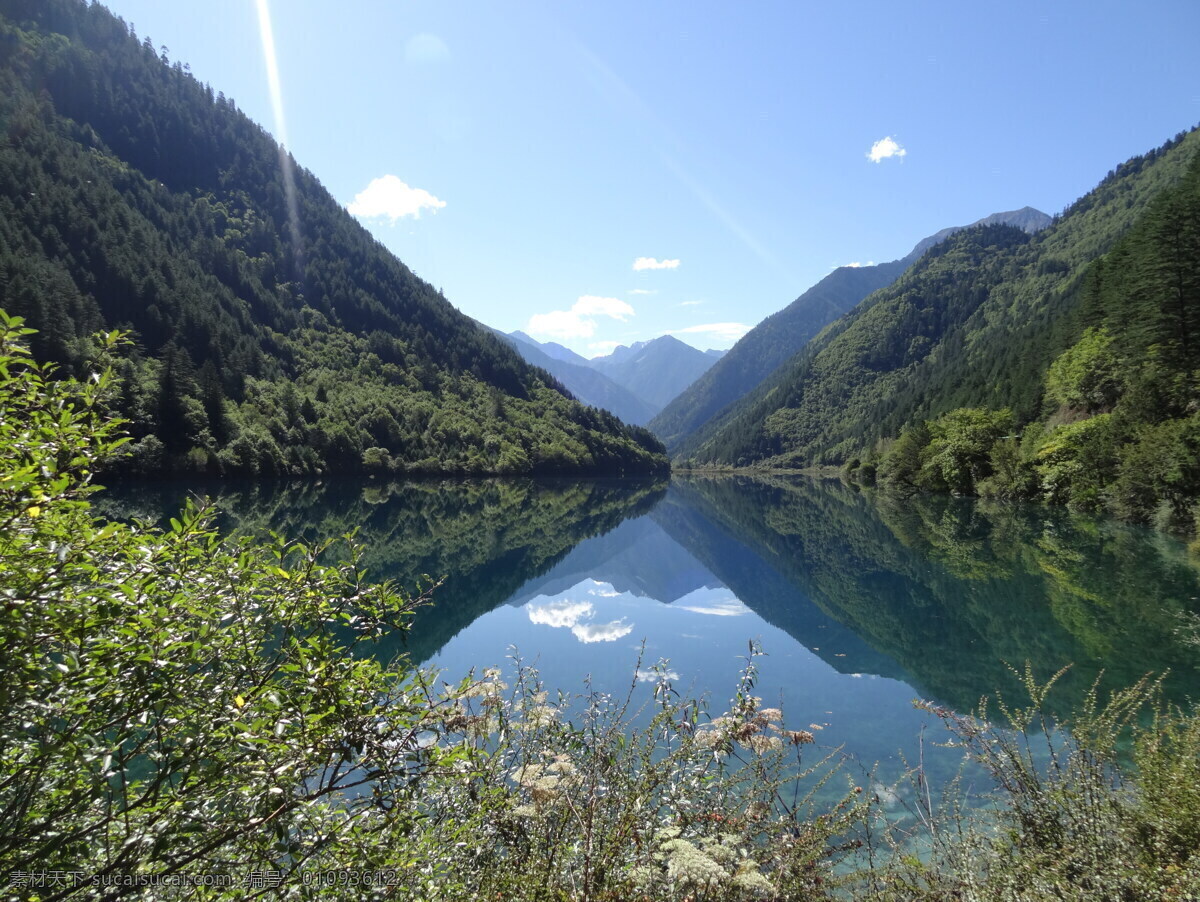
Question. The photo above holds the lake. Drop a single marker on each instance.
(862, 602)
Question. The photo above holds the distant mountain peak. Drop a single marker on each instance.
(656, 370)
(550, 348)
(1028, 218)
(586, 384)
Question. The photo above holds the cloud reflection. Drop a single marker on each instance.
(559, 613)
(601, 632)
(577, 616)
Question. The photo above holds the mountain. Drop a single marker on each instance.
(271, 333)
(1060, 366)
(551, 349)
(782, 334)
(581, 380)
(656, 370)
(1027, 219)
(633, 381)
(636, 557)
(766, 346)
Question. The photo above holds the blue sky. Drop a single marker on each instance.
(524, 156)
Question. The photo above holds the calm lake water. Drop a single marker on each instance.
(861, 602)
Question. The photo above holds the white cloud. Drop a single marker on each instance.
(885, 148)
(560, 324)
(603, 348)
(642, 291)
(559, 613)
(722, 331)
(591, 305)
(579, 321)
(425, 48)
(650, 263)
(389, 198)
(854, 265)
(601, 632)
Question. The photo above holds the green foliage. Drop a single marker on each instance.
(1074, 463)
(959, 453)
(1012, 475)
(839, 395)
(1085, 376)
(783, 335)
(1079, 818)
(1160, 468)
(902, 464)
(174, 702)
(270, 339)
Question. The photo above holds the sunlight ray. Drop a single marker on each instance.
(618, 93)
(286, 165)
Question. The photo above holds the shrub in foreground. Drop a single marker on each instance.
(173, 703)
(1103, 807)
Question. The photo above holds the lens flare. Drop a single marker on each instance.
(285, 159)
(617, 92)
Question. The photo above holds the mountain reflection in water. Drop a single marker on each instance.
(862, 602)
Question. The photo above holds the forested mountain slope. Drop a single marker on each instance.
(766, 346)
(781, 335)
(977, 323)
(272, 333)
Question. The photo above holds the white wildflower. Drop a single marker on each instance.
(750, 879)
(687, 864)
(762, 744)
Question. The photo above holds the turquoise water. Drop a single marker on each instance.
(862, 603)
